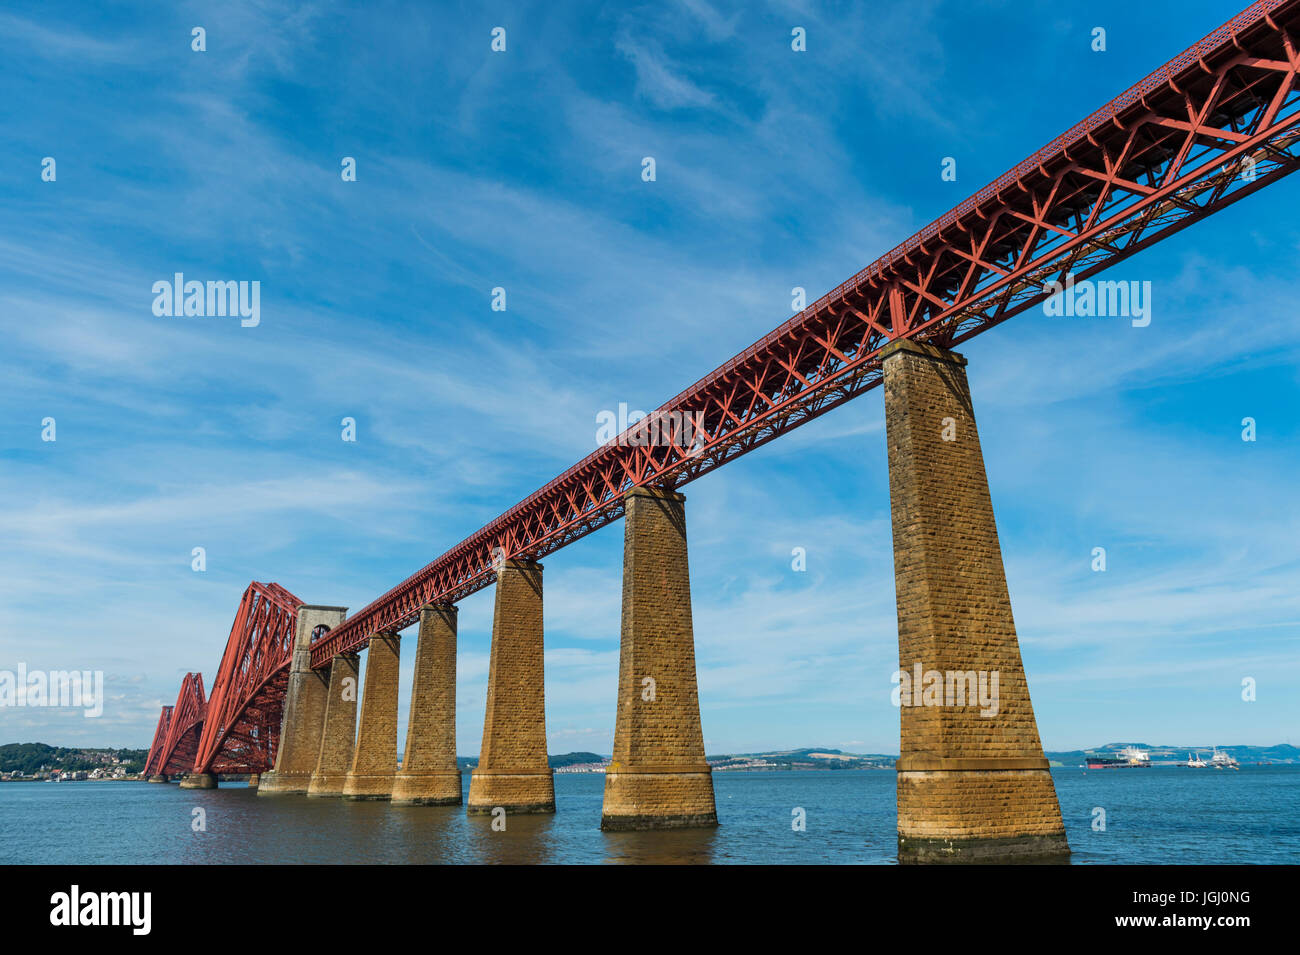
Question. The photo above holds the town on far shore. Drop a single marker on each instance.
(37, 762)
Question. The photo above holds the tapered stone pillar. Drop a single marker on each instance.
(340, 731)
(658, 778)
(973, 783)
(374, 760)
(513, 770)
(199, 781)
(429, 775)
(253, 780)
(304, 709)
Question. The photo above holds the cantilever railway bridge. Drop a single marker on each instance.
(1216, 123)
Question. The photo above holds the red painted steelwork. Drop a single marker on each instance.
(1213, 125)
(242, 728)
(154, 761)
(237, 730)
(176, 755)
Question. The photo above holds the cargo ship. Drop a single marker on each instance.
(1222, 760)
(1130, 757)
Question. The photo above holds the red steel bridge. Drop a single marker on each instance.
(236, 731)
(1216, 123)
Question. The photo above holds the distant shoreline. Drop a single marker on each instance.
(35, 762)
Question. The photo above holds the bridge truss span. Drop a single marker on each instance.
(236, 730)
(1215, 124)
(243, 723)
(153, 762)
(180, 726)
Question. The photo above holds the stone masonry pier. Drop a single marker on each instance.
(513, 771)
(304, 709)
(429, 774)
(658, 778)
(339, 734)
(374, 760)
(973, 783)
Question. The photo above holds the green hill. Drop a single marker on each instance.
(28, 758)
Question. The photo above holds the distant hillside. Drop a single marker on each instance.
(28, 758)
(573, 759)
(1282, 753)
(813, 757)
(467, 763)
(826, 757)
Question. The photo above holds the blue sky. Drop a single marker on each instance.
(522, 170)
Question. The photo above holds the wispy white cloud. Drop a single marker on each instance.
(661, 81)
(65, 44)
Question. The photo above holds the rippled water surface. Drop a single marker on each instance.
(1158, 815)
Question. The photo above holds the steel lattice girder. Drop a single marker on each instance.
(153, 763)
(1216, 123)
(185, 723)
(242, 727)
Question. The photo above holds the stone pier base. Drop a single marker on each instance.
(199, 781)
(159, 778)
(669, 800)
(253, 781)
(327, 785)
(276, 784)
(371, 786)
(1015, 812)
(427, 789)
(513, 792)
